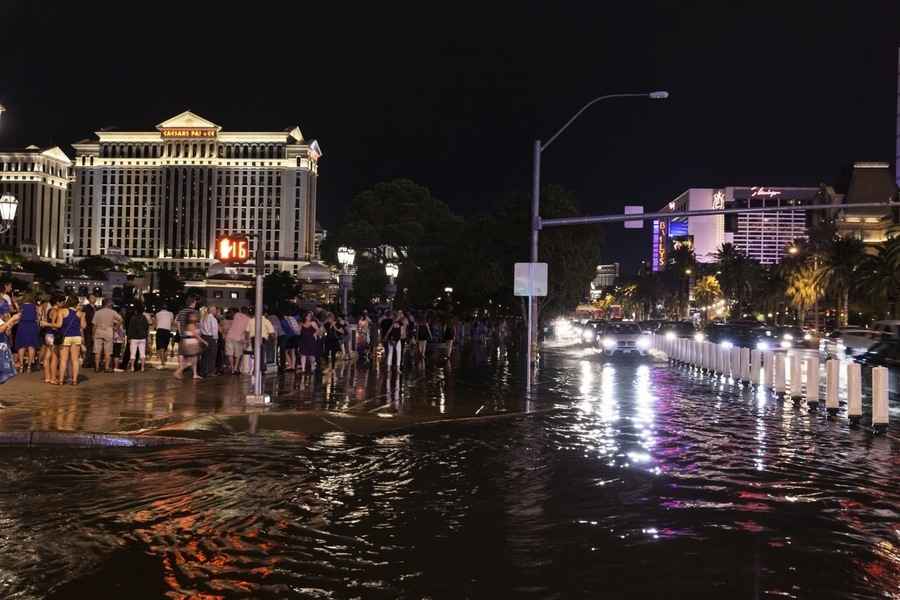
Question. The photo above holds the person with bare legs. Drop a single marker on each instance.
(70, 323)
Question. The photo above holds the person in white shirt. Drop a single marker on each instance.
(209, 331)
(163, 321)
(268, 336)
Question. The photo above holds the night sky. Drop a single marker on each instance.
(787, 93)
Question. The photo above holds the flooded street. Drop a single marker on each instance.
(645, 481)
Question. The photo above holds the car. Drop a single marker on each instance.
(590, 331)
(795, 337)
(852, 340)
(743, 334)
(887, 329)
(651, 326)
(624, 338)
(677, 329)
(885, 353)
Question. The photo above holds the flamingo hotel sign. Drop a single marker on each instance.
(188, 132)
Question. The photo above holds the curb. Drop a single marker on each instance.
(77, 439)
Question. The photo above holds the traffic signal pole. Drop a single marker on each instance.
(258, 397)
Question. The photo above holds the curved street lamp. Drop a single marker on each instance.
(8, 207)
(539, 147)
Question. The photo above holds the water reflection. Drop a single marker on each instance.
(718, 489)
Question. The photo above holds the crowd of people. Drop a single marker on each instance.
(59, 335)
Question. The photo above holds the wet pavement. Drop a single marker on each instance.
(646, 481)
(135, 402)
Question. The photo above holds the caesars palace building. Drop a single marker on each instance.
(162, 197)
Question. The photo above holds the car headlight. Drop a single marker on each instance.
(762, 346)
(588, 335)
(785, 344)
(609, 343)
(699, 337)
(670, 335)
(808, 337)
(726, 344)
(643, 342)
(789, 337)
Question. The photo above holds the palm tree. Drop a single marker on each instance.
(803, 290)
(838, 270)
(706, 292)
(879, 275)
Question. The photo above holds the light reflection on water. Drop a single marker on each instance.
(714, 489)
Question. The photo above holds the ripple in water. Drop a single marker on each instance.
(651, 483)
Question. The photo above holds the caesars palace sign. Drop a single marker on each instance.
(188, 132)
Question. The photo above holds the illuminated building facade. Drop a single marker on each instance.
(162, 197)
(761, 236)
(39, 179)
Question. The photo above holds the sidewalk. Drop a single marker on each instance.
(138, 402)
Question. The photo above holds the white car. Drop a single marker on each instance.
(624, 338)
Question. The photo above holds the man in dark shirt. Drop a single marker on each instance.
(190, 308)
(88, 346)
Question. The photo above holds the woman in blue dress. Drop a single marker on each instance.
(7, 370)
(27, 335)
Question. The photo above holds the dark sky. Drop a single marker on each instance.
(452, 94)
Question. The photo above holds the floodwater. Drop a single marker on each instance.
(647, 481)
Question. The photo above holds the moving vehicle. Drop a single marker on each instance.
(739, 335)
(852, 340)
(591, 330)
(885, 353)
(624, 338)
(677, 329)
(795, 337)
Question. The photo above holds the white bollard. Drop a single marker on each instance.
(745, 365)
(854, 393)
(832, 383)
(707, 356)
(736, 364)
(769, 368)
(723, 361)
(796, 379)
(812, 382)
(756, 371)
(780, 375)
(880, 410)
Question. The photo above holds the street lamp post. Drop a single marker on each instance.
(391, 270)
(8, 207)
(536, 217)
(346, 256)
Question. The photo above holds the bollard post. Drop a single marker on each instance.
(812, 382)
(796, 379)
(756, 372)
(880, 410)
(769, 368)
(780, 375)
(832, 384)
(854, 393)
(745, 357)
(707, 355)
(736, 364)
(722, 366)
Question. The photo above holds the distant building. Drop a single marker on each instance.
(604, 279)
(869, 182)
(762, 236)
(39, 179)
(164, 196)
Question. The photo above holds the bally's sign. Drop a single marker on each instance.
(189, 132)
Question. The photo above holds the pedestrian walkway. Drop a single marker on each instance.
(135, 402)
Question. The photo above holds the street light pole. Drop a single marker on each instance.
(532, 345)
